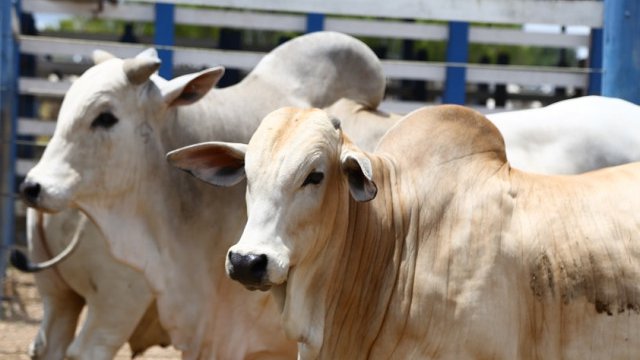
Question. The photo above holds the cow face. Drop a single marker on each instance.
(298, 168)
(106, 133)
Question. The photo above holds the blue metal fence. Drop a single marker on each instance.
(457, 54)
(8, 123)
(595, 62)
(165, 36)
(315, 22)
(621, 62)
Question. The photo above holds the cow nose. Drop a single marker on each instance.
(30, 191)
(248, 269)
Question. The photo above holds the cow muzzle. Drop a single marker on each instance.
(30, 192)
(43, 197)
(249, 269)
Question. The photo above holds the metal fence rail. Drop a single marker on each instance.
(569, 12)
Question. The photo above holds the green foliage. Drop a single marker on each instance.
(197, 32)
(100, 26)
(521, 55)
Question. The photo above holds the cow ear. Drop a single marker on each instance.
(217, 163)
(150, 53)
(140, 69)
(357, 168)
(187, 89)
(99, 56)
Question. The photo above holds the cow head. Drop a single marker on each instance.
(107, 130)
(298, 167)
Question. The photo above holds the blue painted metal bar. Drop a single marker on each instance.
(621, 63)
(457, 56)
(28, 104)
(595, 63)
(315, 22)
(164, 36)
(8, 124)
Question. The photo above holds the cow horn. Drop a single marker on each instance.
(21, 262)
(100, 56)
(138, 70)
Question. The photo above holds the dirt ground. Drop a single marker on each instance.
(20, 315)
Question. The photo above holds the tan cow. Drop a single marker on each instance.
(433, 246)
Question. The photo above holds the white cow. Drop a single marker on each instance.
(120, 303)
(107, 158)
(433, 246)
(572, 136)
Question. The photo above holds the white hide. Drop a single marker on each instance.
(571, 136)
(117, 297)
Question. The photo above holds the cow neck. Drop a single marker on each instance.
(358, 269)
(202, 223)
(222, 115)
(395, 240)
(164, 228)
(452, 240)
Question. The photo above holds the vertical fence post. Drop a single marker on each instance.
(457, 56)
(621, 62)
(595, 63)
(8, 123)
(315, 22)
(164, 36)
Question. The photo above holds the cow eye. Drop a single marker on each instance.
(314, 178)
(105, 120)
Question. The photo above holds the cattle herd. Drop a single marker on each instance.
(442, 234)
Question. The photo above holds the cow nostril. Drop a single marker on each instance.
(248, 269)
(259, 264)
(30, 191)
(235, 259)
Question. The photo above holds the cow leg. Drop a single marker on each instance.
(58, 326)
(149, 332)
(117, 297)
(108, 326)
(61, 304)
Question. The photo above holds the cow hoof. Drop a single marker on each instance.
(36, 348)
